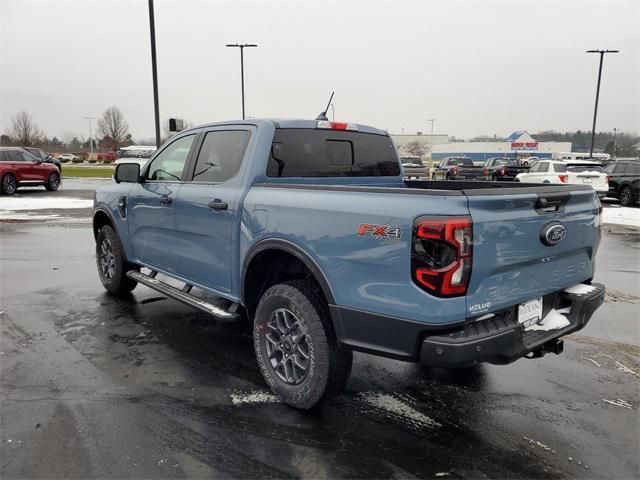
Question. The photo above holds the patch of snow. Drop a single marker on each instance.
(43, 203)
(538, 444)
(11, 215)
(554, 320)
(442, 474)
(624, 369)
(398, 408)
(580, 289)
(621, 216)
(484, 317)
(594, 362)
(619, 403)
(240, 398)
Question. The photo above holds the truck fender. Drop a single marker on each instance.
(293, 249)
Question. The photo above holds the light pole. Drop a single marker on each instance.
(241, 46)
(595, 110)
(431, 137)
(615, 142)
(154, 71)
(90, 133)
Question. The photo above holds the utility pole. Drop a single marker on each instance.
(615, 142)
(431, 138)
(90, 133)
(241, 46)
(595, 110)
(154, 70)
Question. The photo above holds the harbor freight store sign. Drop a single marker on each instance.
(524, 145)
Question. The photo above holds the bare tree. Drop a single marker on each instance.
(416, 148)
(24, 131)
(113, 128)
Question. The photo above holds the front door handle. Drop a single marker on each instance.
(165, 200)
(217, 204)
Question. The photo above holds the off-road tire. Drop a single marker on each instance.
(8, 184)
(626, 196)
(330, 363)
(53, 182)
(108, 248)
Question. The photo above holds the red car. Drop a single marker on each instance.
(109, 156)
(19, 168)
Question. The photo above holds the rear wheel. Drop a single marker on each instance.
(626, 196)
(53, 182)
(298, 354)
(112, 263)
(9, 184)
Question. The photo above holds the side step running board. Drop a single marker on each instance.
(183, 295)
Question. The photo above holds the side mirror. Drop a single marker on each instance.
(127, 172)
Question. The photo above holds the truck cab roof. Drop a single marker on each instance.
(291, 123)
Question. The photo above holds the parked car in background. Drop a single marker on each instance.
(568, 172)
(502, 169)
(67, 157)
(457, 168)
(109, 156)
(624, 181)
(309, 229)
(413, 167)
(44, 156)
(19, 168)
(572, 156)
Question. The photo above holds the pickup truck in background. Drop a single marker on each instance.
(457, 168)
(568, 173)
(502, 169)
(307, 230)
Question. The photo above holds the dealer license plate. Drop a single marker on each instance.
(529, 313)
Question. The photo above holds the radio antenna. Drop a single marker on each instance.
(323, 114)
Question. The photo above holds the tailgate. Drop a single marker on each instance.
(511, 262)
(596, 180)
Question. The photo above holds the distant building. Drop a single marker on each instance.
(402, 140)
(517, 145)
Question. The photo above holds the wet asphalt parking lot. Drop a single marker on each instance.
(94, 386)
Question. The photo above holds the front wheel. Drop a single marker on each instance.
(298, 354)
(112, 263)
(53, 182)
(626, 196)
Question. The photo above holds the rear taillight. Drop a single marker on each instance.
(442, 254)
(607, 178)
(502, 172)
(563, 178)
(337, 125)
(485, 172)
(455, 170)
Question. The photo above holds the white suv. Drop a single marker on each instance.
(572, 172)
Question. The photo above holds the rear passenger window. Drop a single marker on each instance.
(559, 168)
(543, 167)
(633, 168)
(221, 155)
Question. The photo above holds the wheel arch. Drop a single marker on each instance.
(102, 217)
(272, 260)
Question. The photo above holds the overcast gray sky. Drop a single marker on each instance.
(476, 67)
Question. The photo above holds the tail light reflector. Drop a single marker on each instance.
(607, 178)
(485, 172)
(442, 254)
(502, 171)
(563, 178)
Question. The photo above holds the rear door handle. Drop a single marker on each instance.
(217, 204)
(165, 200)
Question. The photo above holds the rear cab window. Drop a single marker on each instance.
(304, 152)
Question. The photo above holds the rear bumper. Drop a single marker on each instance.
(502, 339)
(499, 339)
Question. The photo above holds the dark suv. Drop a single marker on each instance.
(44, 156)
(624, 181)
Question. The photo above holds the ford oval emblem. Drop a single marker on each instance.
(553, 233)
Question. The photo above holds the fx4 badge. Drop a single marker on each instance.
(379, 232)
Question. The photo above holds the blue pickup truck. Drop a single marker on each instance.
(308, 230)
